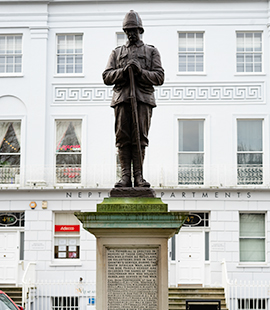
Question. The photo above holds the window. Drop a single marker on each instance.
(191, 152)
(66, 236)
(10, 152)
(121, 38)
(69, 53)
(191, 52)
(12, 219)
(68, 151)
(249, 51)
(10, 54)
(249, 152)
(252, 237)
(197, 220)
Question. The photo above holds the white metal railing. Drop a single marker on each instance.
(9, 174)
(61, 295)
(225, 282)
(249, 295)
(28, 280)
(68, 173)
(245, 295)
(191, 174)
(104, 175)
(249, 174)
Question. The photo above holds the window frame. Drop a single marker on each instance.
(253, 53)
(18, 181)
(203, 52)
(13, 74)
(191, 152)
(74, 153)
(66, 261)
(253, 263)
(251, 152)
(73, 74)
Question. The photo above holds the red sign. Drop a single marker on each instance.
(67, 228)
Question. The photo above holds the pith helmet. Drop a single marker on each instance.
(132, 20)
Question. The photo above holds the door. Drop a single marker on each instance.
(9, 248)
(190, 257)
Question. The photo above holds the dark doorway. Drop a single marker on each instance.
(202, 304)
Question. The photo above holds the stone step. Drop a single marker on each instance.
(15, 293)
(178, 295)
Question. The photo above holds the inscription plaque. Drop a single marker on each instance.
(132, 278)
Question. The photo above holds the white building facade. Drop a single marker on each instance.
(209, 148)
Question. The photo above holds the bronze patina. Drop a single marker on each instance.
(133, 69)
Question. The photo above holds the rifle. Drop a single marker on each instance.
(134, 110)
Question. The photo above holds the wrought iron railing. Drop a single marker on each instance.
(191, 174)
(68, 174)
(9, 174)
(249, 174)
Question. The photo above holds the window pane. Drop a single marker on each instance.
(191, 42)
(249, 42)
(18, 44)
(10, 45)
(257, 42)
(2, 44)
(190, 159)
(249, 135)
(191, 135)
(257, 68)
(252, 225)
(240, 58)
(199, 42)
(249, 159)
(68, 136)
(240, 42)
(252, 250)
(121, 39)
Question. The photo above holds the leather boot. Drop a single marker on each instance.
(124, 154)
(137, 171)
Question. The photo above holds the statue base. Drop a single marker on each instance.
(132, 251)
(132, 192)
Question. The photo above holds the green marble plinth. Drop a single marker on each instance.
(135, 212)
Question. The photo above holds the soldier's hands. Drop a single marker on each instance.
(135, 65)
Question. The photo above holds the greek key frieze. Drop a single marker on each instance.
(178, 93)
(211, 93)
(81, 94)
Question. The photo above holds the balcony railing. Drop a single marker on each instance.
(249, 174)
(190, 174)
(9, 174)
(68, 174)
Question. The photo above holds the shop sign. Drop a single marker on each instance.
(67, 228)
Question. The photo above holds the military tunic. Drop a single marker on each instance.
(152, 74)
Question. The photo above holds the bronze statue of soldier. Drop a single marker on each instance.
(133, 69)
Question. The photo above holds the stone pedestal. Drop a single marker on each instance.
(132, 255)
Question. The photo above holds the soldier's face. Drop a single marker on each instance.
(133, 34)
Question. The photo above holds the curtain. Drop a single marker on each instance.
(63, 126)
(4, 128)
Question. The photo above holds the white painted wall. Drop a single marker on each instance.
(33, 98)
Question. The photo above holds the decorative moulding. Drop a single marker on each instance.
(226, 92)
